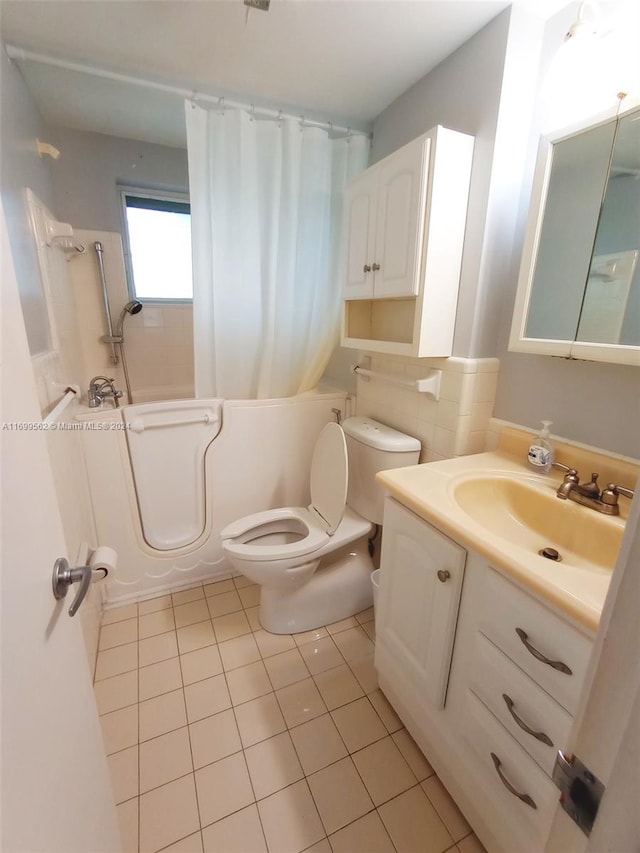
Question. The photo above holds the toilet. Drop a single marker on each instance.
(313, 563)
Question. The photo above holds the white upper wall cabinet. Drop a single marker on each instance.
(405, 219)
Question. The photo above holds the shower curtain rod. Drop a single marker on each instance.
(22, 54)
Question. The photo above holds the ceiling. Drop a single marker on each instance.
(338, 60)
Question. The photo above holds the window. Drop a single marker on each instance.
(158, 245)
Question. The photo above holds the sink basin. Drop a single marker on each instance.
(529, 515)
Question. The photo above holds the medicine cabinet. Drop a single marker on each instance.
(579, 285)
(404, 234)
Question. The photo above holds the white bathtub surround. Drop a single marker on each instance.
(266, 199)
(454, 425)
(158, 340)
(259, 460)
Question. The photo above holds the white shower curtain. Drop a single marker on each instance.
(266, 218)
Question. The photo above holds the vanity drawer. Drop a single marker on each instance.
(543, 725)
(550, 650)
(513, 780)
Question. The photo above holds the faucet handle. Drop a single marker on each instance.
(610, 494)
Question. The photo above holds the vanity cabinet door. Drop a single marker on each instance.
(420, 584)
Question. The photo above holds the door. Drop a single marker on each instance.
(402, 181)
(360, 225)
(606, 731)
(421, 580)
(56, 793)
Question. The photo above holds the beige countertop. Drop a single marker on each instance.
(576, 587)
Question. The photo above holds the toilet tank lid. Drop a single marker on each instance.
(379, 436)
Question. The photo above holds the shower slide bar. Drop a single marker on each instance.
(429, 385)
(70, 394)
(138, 425)
(105, 295)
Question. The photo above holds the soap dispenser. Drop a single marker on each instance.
(541, 451)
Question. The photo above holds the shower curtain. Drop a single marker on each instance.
(266, 218)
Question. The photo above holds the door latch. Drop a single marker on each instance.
(581, 791)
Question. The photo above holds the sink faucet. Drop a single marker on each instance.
(100, 388)
(589, 494)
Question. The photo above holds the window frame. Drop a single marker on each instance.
(157, 195)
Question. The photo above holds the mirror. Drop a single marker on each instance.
(579, 287)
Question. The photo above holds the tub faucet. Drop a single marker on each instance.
(100, 388)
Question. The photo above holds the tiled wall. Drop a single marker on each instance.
(456, 424)
(158, 340)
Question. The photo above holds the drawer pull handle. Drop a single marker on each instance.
(524, 797)
(556, 664)
(525, 728)
(443, 575)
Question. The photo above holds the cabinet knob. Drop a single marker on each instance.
(375, 267)
(443, 575)
(366, 268)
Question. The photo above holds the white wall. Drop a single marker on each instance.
(22, 167)
(85, 177)
(588, 402)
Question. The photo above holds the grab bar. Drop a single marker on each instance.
(138, 425)
(105, 295)
(61, 405)
(429, 385)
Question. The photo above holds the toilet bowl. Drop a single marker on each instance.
(313, 563)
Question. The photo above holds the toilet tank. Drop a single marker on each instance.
(374, 447)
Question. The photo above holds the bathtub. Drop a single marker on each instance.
(166, 477)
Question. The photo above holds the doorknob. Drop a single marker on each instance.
(64, 576)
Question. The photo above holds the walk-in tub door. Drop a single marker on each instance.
(167, 444)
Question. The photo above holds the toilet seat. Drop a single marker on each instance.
(238, 538)
(311, 526)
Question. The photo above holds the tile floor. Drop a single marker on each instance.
(224, 738)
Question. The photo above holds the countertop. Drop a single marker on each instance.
(577, 590)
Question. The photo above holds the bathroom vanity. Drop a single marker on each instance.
(482, 644)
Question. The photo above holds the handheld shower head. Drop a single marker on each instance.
(133, 307)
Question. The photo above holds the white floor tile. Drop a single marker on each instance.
(273, 644)
(320, 655)
(383, 770)
(358, 724)
(159, 622)
(230, 626)
(259, 719)
(120, 729)
(196, 636)
(365, 834)
(207, 697)
(156, 649)
(168, 814)
(116, 692)
(339, 795)
(338, 686)
(162, 714)
(128, 823)
(239, 833)
(151, 605)
(219, 587)
(187, 595)
(164, 759)
(273, 764)
(214, 738)
(239, 652)
(290, 820)
(115, 661)
(123, 767)
(286, 668)
(223, 604)
(448, 811)
(300, 702)
(318, 743)
(248, 682)
(190, 844)
(412, 755)
(119, 614)
(118, 634)
(189, 614)
(223, 788)
(159, 678)
(201, 664)
(413, 824)
(392, 721)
